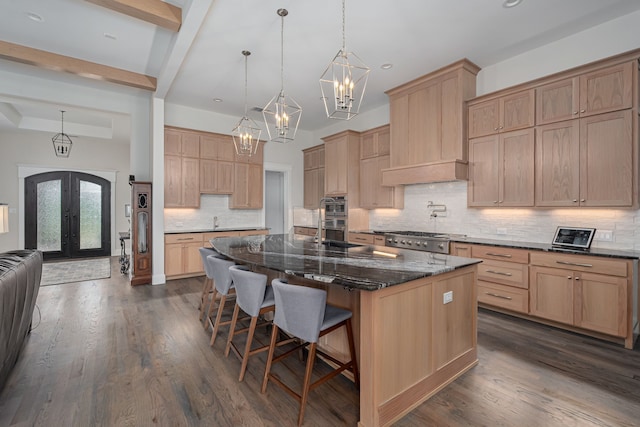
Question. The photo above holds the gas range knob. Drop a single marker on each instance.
(418, 243)
(441, 245)
(389, 240)
(409, 242)
(395, 240)
(403, 241)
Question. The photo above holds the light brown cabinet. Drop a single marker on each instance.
(247, 186)
(182, 255)
(342, 165)
(182, 169)
(428, 126)
(586, 162)
(600, 91)
(313, 176)
(501, 170)
(502, 114)
(587, 292)
(374, 157)
(217, 156)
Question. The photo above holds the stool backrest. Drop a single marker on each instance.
(299, 309)
(250, 289)
(204, 253)
(221, 276)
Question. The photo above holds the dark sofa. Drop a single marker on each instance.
(20, 273)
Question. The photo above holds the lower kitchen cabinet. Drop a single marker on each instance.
(366, 238)
(182, 256)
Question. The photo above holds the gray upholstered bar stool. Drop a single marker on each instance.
(207, 286)
(304, 313)
(223, 287)
(255, 298)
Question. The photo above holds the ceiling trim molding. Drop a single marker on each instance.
(154, 11)
(79, 67)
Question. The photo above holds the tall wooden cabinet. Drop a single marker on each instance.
(217, 155)
(182, 169)
(374, 157)
(313, 176)
(141, 242)
(342, 165)
(248, 181)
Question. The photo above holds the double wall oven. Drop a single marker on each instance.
(336, 219)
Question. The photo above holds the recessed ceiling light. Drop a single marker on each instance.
(110, 36)
(511, 3)
(217, 99)
(386, 66)
(35, 17)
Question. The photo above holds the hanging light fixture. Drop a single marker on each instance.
(343, 82)
(282, 113)
(246, 134)
(61, 141)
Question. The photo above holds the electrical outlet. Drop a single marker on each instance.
(179, 224)
(501, 230)
(604, 235)
(447, 297)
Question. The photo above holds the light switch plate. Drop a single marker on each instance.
(447, 297)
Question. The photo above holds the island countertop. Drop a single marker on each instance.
(365, 267)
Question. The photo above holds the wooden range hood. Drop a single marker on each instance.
(428, 126)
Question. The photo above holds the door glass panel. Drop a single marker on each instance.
(49, 224)
(143, 220)
(90, 215)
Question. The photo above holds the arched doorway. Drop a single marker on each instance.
(67, 214)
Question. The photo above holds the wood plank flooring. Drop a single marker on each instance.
(107, 354)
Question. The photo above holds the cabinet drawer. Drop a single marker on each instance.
(378, 240)
(361, 238)
(183, 238)
(507, 297)
(507, 273)
(592, 264)
(499, 253)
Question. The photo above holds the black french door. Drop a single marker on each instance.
(67, 214)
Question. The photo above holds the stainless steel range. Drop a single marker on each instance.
(418, 240)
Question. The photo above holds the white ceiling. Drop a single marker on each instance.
(416, 36)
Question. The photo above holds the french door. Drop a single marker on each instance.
(67, 214)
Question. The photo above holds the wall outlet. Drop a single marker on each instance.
(604, 235)
(501, 230)
(179, 224)
(447, 297)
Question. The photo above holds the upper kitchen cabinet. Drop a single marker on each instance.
(374, 157)
(428, 126)
(342, 166)
(182, 167)
(216, 164)
(502, 114)
(595, 92)
(247, 186)
(313, 176)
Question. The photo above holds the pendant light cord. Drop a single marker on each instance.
(246, 55)
(344, 42)
(282, 53)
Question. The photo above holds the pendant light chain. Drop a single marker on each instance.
(344, 38)
(245, 81)
(282, 53)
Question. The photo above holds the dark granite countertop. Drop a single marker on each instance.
(358, 266)
(610, 253)
(210, 230)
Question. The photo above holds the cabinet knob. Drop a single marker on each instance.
(575, 201)
(501, 127)
(500, 201)
(583, 200)
(569, 277)
(575, 112)
(495, 128)
(577, 278)
(495, 202)
(583, 111)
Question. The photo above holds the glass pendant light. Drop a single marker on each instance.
(343, 82)
(282, 114)
(246, 134)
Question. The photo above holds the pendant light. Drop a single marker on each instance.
(246, 134)
(343, 82)
(282, 114)
(61, 141)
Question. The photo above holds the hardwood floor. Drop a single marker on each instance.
(107, 354)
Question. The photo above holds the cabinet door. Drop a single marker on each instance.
(551, 294)
(335, 177)
(384, 141)
(399, 118)
(606, 159)
(385, 196)
(311, 197)
(255, 190)
(517, 111)
(557, 164)
(172, 181)
(224, 178)
(190, 182)
(558, 101)
(240, 196)
(172, 142)
(209, 147)
(173, 260)
(484, 118)
(208, 174)
(307, 156)
(516, 168)
(369, 182)
(606, 90)
(425, 125)
(368, 145)
(190, 145)
(192, 260)
(483, 185)
(461, 249)
(601, 303)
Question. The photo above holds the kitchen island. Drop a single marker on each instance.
(415, 313)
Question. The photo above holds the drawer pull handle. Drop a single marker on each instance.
(500, 273)
(491, 294)
(499, 255)
(185, 238)
(578, 264)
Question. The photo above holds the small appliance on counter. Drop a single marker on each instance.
(573, 238)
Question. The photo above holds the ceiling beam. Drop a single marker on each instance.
(79, 67)
(154, 11)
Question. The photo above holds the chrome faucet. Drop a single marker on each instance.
(215, 222)
(435, 209)
(324, 200)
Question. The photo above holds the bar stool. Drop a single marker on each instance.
(222, 286)
(207, 286)
(254, 297)
(304, 313)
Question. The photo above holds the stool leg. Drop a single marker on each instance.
(247, 347)
(206, 287)
(216, 324)
(232, 329)
(352, 350)
(205, 313)
(272, 348)
(307, 381)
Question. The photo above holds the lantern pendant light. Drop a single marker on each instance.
(343, 82)
(61, 141)
(282, 114)
(246, 134)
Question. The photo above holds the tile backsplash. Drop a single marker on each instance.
(202, 219)
(513, 224)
